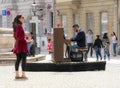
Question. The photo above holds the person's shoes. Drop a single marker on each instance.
(17, 77)
(24, 77)
(101, 58)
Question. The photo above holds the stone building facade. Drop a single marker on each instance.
(10, 8)
(98, 15)
(24, 7)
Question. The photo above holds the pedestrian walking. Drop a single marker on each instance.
(114, 43)
(106, 44)
(89, 38)
(97, 46)
(106, 51)
(32, 48)
(49, 47)
(20, 47)
(28, 44)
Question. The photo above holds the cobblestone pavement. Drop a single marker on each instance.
(110, 78)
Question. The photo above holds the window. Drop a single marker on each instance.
(21, 0)
(89, 21)
(8, 1)
(9, 23)
(76, 19)
(1, 1)
(51, 19)
(104, 22)
(14, 1)
(0, 20)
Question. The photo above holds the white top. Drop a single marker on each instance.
(89, 38)
(114, 39)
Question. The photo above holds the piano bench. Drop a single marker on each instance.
(84, 50)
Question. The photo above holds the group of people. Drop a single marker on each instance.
(83, 39)
(103, 42)
(30, 44)
(23, 44)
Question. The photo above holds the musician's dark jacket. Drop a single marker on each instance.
(80, 38)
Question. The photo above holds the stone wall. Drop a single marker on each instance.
(81, 8)
(6, 40)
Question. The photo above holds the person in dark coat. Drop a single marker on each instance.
(97, 46)
(80, 38)
(20, 47)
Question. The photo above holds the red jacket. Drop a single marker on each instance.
(20, 41)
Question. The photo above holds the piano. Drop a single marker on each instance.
(58, 45)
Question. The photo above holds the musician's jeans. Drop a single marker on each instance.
(74, 47)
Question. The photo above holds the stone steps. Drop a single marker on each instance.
(7, 55)
(10, 58)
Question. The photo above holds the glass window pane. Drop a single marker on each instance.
(89, 21)
(0, 20)
(104, 22)
(1, 1)
(76, 19)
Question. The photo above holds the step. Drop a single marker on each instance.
(11, 61)
(7, 55)
(66, 66)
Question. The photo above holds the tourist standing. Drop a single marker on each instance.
(89, 38)
(114, 43)
(20, 47)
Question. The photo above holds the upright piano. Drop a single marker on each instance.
(58, 45)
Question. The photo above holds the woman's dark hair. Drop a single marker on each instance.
(105, 36)
(16, 22)
(115, 35)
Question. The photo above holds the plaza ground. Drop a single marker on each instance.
(110, 78)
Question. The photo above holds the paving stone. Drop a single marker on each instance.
(110, 78)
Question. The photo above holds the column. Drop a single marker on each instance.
(70, 20)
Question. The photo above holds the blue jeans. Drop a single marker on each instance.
(106, 53)
(29, 45)
(114, 48)
(90, 46)
(98, 53)
(73, 48)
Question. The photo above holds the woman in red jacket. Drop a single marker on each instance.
(20, 47)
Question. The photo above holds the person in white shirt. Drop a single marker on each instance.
(114, 43)
(89, 38)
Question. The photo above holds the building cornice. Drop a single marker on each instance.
(68, 5)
